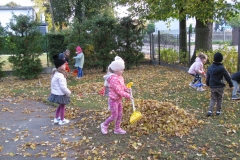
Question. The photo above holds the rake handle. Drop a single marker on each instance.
(132, 100)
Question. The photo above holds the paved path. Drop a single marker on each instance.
(27, 132)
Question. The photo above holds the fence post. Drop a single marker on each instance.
(159, 47)
(189, 47)
(153, 48)
(46, 39)
(150, 54)
(177, 46)
(224, 35)
(238, 49)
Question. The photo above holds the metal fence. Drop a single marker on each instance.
(153, 43)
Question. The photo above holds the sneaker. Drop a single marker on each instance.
(64, 121)
(192, 85)
(119, 131)
(200, 89)
(235, 97)
(209, 113)
(104, 129)
(218, 113)
(56, 120)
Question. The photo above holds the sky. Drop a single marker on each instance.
(21, 2)
(29, 3)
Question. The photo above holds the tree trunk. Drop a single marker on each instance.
(182, 36)
(235, 35)
(203, 39)
(51, 11)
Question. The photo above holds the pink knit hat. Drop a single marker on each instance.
(78, 49)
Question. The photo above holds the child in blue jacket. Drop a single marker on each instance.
(215, 74)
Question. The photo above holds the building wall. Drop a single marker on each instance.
(6, 13)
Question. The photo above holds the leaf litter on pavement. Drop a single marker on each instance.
(174, 123)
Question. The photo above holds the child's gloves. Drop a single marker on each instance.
(128, 90)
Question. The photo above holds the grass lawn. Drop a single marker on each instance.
(174, 123)
(7, 66)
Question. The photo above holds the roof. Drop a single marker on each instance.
(16, 8)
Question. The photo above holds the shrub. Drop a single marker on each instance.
(25, 47)
(2, 74)
(90, 57)
(129, 38)
(183, 57)
(230, 57)
(169, 55)
(55, 45)
(26, 68)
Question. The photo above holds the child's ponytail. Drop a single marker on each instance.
(201, 55)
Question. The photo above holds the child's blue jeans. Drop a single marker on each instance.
(80, 72)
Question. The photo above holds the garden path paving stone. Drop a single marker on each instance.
(27, 131)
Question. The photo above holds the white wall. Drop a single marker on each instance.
(6, 15)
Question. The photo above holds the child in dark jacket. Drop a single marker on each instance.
(235, 80)
(215, 74)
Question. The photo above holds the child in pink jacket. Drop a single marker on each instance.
(117, 91)
(197, 70)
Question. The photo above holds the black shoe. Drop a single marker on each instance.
(209, 113)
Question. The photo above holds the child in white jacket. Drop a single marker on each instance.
(197, 70)
(60, 94)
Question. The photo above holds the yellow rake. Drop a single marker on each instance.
(136, 114)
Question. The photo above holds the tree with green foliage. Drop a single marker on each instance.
(2, 46)
(63, 10)
(234, 21)
(12, 4)
(56, 45)
(103, 37)
(24, 47)
(150, 28)
(42, 6)
(85, 9)
(161, 10)
(2, 39)
(205, 12)
(130, 41)
(190, 29)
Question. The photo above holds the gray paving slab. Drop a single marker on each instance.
(27, 131)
